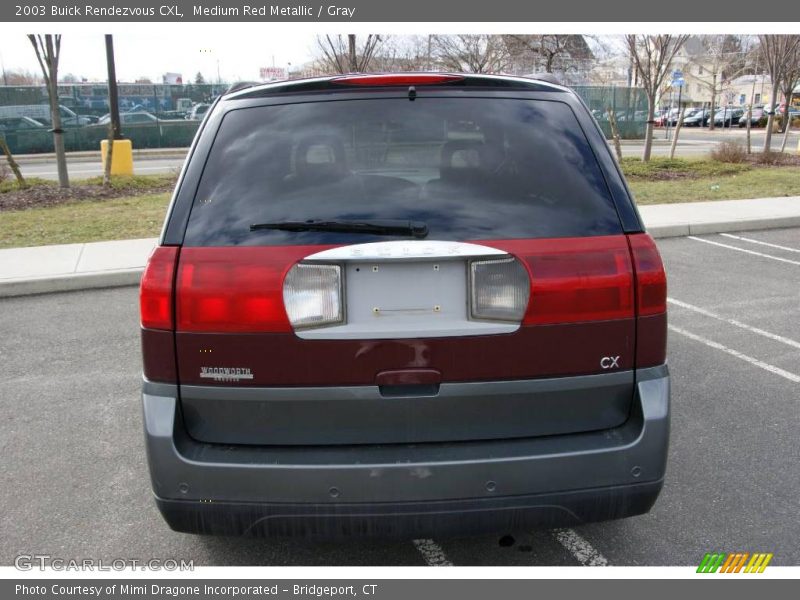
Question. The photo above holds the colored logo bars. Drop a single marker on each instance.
(734, 562)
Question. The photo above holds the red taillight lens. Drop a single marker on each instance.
(155, 290)
(397, 79)
(235, 289)
(575, 279)
(651, 280)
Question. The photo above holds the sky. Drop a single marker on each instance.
(228, 51)
(183, 49)
(236, 51)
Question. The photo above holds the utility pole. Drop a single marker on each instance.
(113, 96)
(351, 46)
(114, 132)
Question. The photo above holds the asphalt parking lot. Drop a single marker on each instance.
(74, 482)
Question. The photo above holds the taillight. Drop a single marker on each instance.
(155, 290)
(499, 289)
(312, 295)
(651, 280)
(235, 289)
(575, 279)
(397, 79)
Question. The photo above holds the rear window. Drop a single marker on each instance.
(469, 168)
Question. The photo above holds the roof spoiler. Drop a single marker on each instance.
(241, 85)
(546, 77)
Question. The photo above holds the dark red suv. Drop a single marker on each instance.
(406, 305)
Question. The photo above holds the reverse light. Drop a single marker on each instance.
(499, 289)
(312, 295)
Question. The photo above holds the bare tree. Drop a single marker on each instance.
(790, 82)
(470, 53)
(21, 78)
(345, 54)
(652, 56)
(612, 123)
(678, 124)
(12, 163)
(777, 52)
(404, 53)
(48, 53)
(552, 53)
(721, 60)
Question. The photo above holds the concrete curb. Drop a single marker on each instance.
(70, 283)
(684, 229)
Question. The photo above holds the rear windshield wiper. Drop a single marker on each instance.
(416, 229)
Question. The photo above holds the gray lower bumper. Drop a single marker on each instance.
(587, 476)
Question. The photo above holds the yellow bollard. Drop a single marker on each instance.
(121, 159)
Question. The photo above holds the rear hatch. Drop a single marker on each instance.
(387, 270)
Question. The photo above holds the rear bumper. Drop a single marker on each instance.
(408, 490)
(411, 519)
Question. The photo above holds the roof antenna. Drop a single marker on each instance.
(412, 93)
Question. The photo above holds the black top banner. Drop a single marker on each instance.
(726, 11)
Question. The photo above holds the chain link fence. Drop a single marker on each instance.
(628, 104)
(162, 115)
(153, 115)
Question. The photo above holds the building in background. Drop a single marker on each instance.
(172, 79)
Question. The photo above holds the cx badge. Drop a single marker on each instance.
(609, 362)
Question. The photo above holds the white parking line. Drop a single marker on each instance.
(753, 252)
(708, 313)
(432, 553)
(752, 241)
(753, 361)
(582, 550)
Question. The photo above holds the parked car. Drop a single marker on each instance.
(756, 115)
(360, 320)
(660, 117)
(671, 118)
(184, 105)
(688, 114)
(17, 123)
(130, 118)
(197, 112)
(698, 118)
(727, 116)
(41, 113)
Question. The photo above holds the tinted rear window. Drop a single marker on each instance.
(470, 168)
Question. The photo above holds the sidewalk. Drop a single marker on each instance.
(109, 264)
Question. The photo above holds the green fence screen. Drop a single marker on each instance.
(24, 113)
